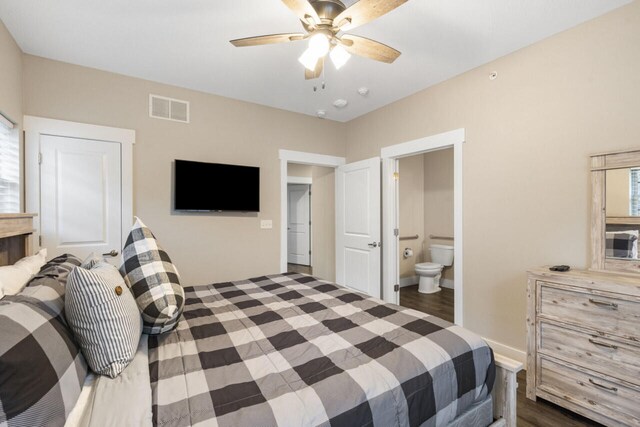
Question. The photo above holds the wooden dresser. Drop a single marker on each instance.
(583, 343)
(15, 236)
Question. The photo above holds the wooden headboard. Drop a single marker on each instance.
(15, 237)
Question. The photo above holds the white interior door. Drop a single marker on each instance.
(80, 196)
(358, 228)
(299, 224)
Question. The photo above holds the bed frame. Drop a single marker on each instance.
(15, 242)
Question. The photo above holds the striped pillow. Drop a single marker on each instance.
(104, 317)
(153, 279)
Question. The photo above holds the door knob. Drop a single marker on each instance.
(373, 245)
(112, 253)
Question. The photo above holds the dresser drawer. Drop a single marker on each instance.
(611, 357)
(596, 393)
(607, 314)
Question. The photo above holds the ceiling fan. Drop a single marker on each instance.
(325, 22)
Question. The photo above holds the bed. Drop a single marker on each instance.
(290, 350)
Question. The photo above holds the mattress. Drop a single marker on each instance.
(292, 350)
(121, 401)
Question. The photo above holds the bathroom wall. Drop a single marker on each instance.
(323, 217)
(438, 203)
(411, 201)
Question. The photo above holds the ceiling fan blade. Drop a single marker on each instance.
(309, 75)
(268, 39)
(371, 49)
(304, 11)
(365, 11)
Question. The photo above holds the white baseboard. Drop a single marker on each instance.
(505, 350)
(446, 283)
(408, 281)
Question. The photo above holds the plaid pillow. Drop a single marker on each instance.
(153, 279)
(41, 368)
(621, 245)
(45, 292)
(59, 268)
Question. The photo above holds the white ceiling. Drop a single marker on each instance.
(186, 43)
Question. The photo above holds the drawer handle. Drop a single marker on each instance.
(602, 344)
(613, 389)
(611, 305)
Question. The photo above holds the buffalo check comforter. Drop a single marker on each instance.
(292, 350)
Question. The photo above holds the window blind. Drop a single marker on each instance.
(634, 205)
(9, 168)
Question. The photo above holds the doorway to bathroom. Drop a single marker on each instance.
(425, 213)
(430, 180)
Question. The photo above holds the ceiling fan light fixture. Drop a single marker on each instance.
(339, 56)
(308, 59)
(319, 45)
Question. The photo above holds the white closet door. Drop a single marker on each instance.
(80, 192)
(358, 228)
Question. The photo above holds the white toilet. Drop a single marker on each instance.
(431, 272)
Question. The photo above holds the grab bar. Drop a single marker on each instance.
(410, 237)
(432, 236)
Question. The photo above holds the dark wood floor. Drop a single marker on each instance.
(297, 268)
(530, 414)
(439, 304)
(544, 414)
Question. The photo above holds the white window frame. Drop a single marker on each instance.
(9, 133)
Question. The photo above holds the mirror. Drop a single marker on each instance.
(622, 213)
(615, 211)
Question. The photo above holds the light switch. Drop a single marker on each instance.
(266, 224)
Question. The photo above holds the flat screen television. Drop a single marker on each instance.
(214, 187)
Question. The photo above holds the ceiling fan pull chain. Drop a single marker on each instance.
(323, 78)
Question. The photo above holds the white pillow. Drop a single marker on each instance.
(13, 278)
(33, 263)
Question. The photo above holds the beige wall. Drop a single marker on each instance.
(323, 217)
(205, 247)
(529, 134)
(411, 211)
(438, 201)
(294, 169)
(618, 192)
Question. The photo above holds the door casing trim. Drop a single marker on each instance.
(390, 216)
(303, 158)
(34, 127)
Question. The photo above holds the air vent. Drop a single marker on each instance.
(161, 107)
